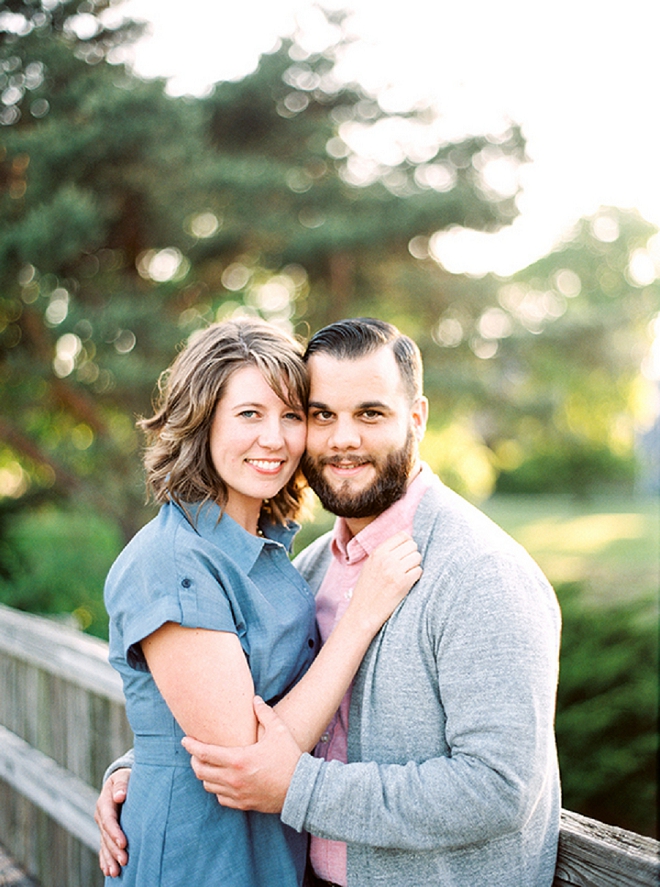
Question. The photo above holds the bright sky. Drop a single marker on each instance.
(582, 77)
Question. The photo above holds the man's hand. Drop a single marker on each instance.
(252, 777)
(112, 855)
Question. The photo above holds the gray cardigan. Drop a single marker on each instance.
(452, 776)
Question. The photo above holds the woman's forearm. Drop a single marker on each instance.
(308, 708)
(387, 576)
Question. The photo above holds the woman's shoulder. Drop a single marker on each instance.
(154, 546)
(159, 533)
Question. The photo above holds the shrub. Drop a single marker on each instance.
(54, 561)
(606, 710)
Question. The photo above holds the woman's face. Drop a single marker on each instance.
(256, 442)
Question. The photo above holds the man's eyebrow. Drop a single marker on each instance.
(373, 404)
(360, 407)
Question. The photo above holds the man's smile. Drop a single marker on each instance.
(272, 466)
(346, 466)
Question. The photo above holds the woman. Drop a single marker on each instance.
(206, 609)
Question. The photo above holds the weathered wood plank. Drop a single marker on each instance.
(74, 715)
(11, 875)
(64, 797)
(592, 854)
(42, 847)
(77, 657)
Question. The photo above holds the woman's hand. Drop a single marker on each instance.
(388, 575)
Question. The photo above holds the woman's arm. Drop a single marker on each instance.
(204, 677)
(205, 680)
(386, 578)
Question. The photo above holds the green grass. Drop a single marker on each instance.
(608, 545)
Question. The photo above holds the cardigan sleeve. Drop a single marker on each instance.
(126, 761)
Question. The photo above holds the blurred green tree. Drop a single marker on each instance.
(575, 385)
(544, 368)
(129, 218)
(83, 150)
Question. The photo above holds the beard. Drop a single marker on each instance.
(389, 485)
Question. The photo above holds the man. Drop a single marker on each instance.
(440, 767)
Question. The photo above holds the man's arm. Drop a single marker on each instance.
(441, 802)
(494, 636)
(496, 680)
(125, 762)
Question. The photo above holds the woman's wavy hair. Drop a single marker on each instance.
(178, 457)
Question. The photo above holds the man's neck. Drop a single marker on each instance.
(355, 525)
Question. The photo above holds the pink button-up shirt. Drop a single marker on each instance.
(349, 552)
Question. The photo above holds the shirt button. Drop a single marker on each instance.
(186, 583)
(325, 737)
(311, 643)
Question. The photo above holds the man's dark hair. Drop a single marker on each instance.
(359, 336)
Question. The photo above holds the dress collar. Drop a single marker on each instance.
(220, 529)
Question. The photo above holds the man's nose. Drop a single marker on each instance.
(344, 435)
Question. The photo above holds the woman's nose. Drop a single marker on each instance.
(271, 436)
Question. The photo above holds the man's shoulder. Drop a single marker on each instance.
(445, 518)
(452, 531)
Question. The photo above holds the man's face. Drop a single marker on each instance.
(362, 434)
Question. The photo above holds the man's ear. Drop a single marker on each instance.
(419, 415)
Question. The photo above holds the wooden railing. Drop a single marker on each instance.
(62, 721)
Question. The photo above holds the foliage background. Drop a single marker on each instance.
(128, 219)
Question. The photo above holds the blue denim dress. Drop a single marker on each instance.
(207, 573)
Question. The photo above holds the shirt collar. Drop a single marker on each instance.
(397, 517)
(220, 529)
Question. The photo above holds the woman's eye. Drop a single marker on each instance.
(297, 417)
(248, 414)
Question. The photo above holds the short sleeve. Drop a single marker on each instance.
(167, 578)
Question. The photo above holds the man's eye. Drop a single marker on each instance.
(371, 414)
(321, 415)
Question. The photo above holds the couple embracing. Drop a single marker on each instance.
(379, 712)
